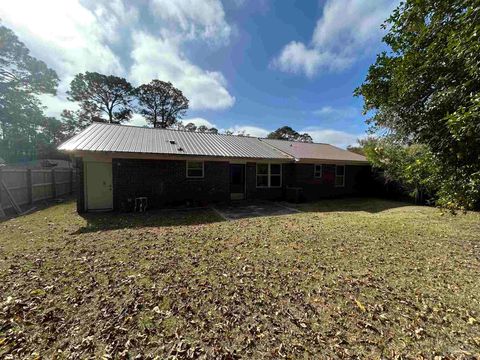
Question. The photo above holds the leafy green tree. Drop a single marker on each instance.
(74, 121)
(356, 149)
(414, 166)
(206, 129)
(188, 127)
(102, 95)
(287, 133)
(22, 77)
(20, 71)
(161, 103)
(425, 90)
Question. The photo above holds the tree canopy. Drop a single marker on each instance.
(194, 128)
(287, 133)
(425, 90)
(20, 71)
(161, 103)
(22, 120)
(102, 95)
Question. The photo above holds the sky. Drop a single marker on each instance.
(245, 65)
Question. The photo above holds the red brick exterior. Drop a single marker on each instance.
(302, 175)
(164, 183)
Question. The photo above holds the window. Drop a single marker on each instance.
(317, 171)
(262, 175)
(269, 175)
(340, 175)
(194, 169)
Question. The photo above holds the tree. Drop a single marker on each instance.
(161, 103)
(20, 71)
(192, 127)
(287, 133)
(74, 121)
(425, 90)
(356, 149)
(206, 129)
(22, 77)
(189, 127)
(413, 166)
(102, 95)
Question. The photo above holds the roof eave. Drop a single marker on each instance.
(167, 156)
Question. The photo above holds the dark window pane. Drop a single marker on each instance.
(275, 180)
(339, 180)
(275, 168)
(340, 170)
(195, 172)
(262, 180)
(262, 169)
(195, 165)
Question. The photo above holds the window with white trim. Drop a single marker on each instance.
(317, 171)
(195, 169)
(269, 175)
(339, 175)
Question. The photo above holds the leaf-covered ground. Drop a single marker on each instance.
(345, 278)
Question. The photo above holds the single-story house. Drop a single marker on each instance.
(117, 164)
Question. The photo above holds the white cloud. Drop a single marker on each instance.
(193, 18)
(297, 58)
(56, 104)
(137, 120)
(198, 121)
(346, 31)
(159, 58)
(74, 36)
(68, 37)
(248, 130)
(63, 33)
(337, 113)
(334, 137)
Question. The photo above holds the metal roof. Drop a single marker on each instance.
(313, 151)
(102, 137)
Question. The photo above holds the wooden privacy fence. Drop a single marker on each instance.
(27, 186)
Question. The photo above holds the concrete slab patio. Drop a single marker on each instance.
(242, 210)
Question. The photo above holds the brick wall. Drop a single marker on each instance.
(164, 182)
(301, 175)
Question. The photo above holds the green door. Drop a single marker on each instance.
(99, 186)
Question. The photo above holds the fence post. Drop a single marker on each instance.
(54, 185)
(29, 186)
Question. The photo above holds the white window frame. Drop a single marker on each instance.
(342, 176)
(315, 171)
(269, 176)
(195, 177)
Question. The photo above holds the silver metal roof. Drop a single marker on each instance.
(313, 151)
(129, 139)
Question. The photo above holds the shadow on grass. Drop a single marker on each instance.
(370, 205)
(153, 218)
(202, 216)
(41, 205)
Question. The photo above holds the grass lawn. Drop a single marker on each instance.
(345, 278)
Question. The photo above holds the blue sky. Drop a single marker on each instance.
(245, 65)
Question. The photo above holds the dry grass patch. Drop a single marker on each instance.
(345, 278)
